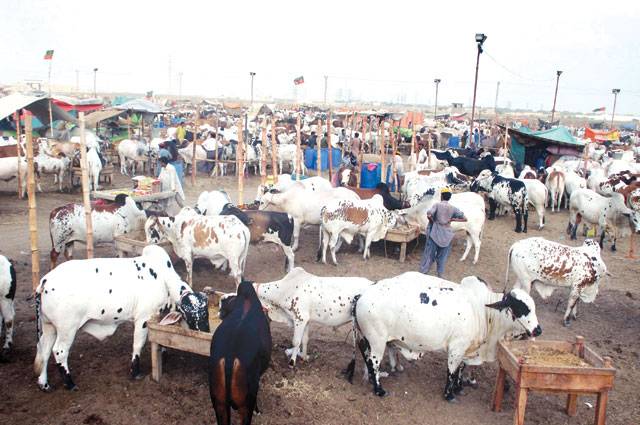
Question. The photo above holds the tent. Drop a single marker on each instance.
(80, 105)
(140, 105)
(528, 147)
(601, 136)
(37, 105)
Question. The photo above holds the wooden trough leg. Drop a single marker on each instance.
(156, 362)
(572, 404)
(521, 405)
(403, 251)
(499, 391)
(601, 408)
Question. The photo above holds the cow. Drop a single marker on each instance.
(555, 182)
(67, 224)
(212, 202)
(537, 194)
(390, 201)
(572, 182)
(506, 192)
(417, 313)
(267, 226)
(10, 167)
(8, 283)
(596, 177)
(302, 204)
(348, 218)
(285, 181)
(471, 204)
(549, 265)
(96, 296)
(94, 164)
(417, 184)
(133, 152)
(527, 173)
(608, 213)
(240, 354)
(616, 182)
(288, 153)
(47, 164)
(506, 170)
(469, 166)
(220, 239)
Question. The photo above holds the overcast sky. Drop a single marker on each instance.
(371, 50)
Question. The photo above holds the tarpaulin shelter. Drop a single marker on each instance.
(413, 117)
(141, 105)
(37, 105)
(601, 136)
(95, 117)
(79, 105)
(528, 147)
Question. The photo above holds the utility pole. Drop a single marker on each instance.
(246, 117)
(615, 98)
(180, 85)
(95, 74)
(326, 77)
(480, 39)
(555, 96)
(169, 91)
(77, 81)
(495, 105)
(435, 108)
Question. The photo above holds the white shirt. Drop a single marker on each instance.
(170, 181)
(210, 144)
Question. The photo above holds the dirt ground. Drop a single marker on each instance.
(315, 392)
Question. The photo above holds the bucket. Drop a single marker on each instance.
(370, 175)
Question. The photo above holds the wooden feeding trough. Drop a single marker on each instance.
(132, 244)
(403, 235)
(179, 338)
(555, 367)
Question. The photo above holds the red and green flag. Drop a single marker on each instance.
(299, 80)
(602, 109)
(48, 55)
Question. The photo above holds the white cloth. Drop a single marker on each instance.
(170, 181)
(210, 144)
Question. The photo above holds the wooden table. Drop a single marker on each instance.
(597, 378)
(403, 235)
(132, 244)
(110, 195)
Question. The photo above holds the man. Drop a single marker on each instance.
(312, 140)
(439, 233)
(342, 139)
(171, 183)
(181, 132)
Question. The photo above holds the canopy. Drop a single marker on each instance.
(140, 105)
(95, 117)
(73, 104)
(530, 147)
(600, 135)
(557, 135)
(38, 106)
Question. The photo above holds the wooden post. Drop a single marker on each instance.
(319, 148)
(361, 155)
(31, 194)
(330, 148)
(194, 166)
(413, 146)
(17, 119)
(274, 151)
(297, 171)
(85, 186)
(240, 163)
(263, 153)
(429, 151)
(50, 118)
(394, 177)
(383, 172)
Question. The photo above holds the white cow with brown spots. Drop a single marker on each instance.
(220, 239)
(549, 265)
(348, 218)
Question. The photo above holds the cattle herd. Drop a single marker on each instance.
(410, 314)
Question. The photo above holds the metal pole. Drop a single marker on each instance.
(95, 73)
(495, 105)
(555, 96)
(473, 107)
(435, 108)
(326, 77)
(615, 98)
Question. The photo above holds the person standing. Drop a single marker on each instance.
(439, 233)
(170, 183)
(181, 132)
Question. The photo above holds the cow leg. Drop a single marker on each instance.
(335, 237)
(7, 313)
(53, 258)
(325, 236)
(602, 237)
(218, 392)
(518, 221)
(296, 234)
(394, 359)
(574, 310)
(455, 356)
(45, 345)
(188, 263)
(573, 300)
(68, 251)
(492, 209)
(525, 219)
(467, 247)
(288, 252)
(372, 356)
(298, 334)
(140, 333)
(305, 343)
(61, 348)
(367, 245)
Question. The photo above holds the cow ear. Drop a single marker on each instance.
(500, 305)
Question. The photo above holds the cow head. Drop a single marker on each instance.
(131, 212)
(484, 181)
(194, 307)
(522, 312)
(269, 198)
(154, 228)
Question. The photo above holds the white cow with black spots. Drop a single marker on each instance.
(7, 311)
(549, 265)
(510, 193)
(97, 295)
(417, 313)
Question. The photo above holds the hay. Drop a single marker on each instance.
(541, 356)
(298, 389)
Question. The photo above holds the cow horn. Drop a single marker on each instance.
(500, 305)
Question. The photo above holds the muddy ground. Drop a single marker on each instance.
(315, 392)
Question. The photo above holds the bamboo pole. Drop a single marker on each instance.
(393, 159)
(263, 154)
(31, 194)
(240, 163)
(429, 150)
(329, 147)
(85, 186)
(383, 171)
(274, 151)
(413, 145)
(361, 154)
(17, 118)
(298, 169)
(194, 164)
(215, 153)
(319, 148)
(50, 118)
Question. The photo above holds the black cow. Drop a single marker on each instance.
(267, 226)
(468, 166)
(507, 192)
(240, 354)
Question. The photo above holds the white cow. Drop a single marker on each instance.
(7, 311)
(212, 202)
(417, 313)
(555, 182)
(537, 193)
(9, 170)
(572, 182)
(95, 167)
(303, 204)
(288, 153)
(549, 265)
(220, 239)
(597, 176)
(97, 295)
(46, 164)
(132, 152)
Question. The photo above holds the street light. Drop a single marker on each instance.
(95, 73)
(615, 98)
(480, 39)
(435, 108)
(252, 74)
(246, 117)
(553, 111)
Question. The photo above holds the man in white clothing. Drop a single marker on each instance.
(171, 183)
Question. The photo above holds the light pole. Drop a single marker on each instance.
(246, 117)
(252, 74)
(480, 39)
(615, 98)
(555, 96)
(435, 108)
(95, 73)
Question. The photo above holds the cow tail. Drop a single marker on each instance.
(506, 276)
(247, 239)
(38, 306)
(349, 371)
(319, 253)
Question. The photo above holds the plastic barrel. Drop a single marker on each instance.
(369, 179)
(454, 142)
(310, 158)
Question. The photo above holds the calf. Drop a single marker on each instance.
(267, 226)
(96, 296)
(549, 265)
(7, 311)
(220, 239)
(507, 192)
(240, 354)
(537, 193)
(58, 166)
(347, 218)
(67, 224)
(555, 184)
(418, 313)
